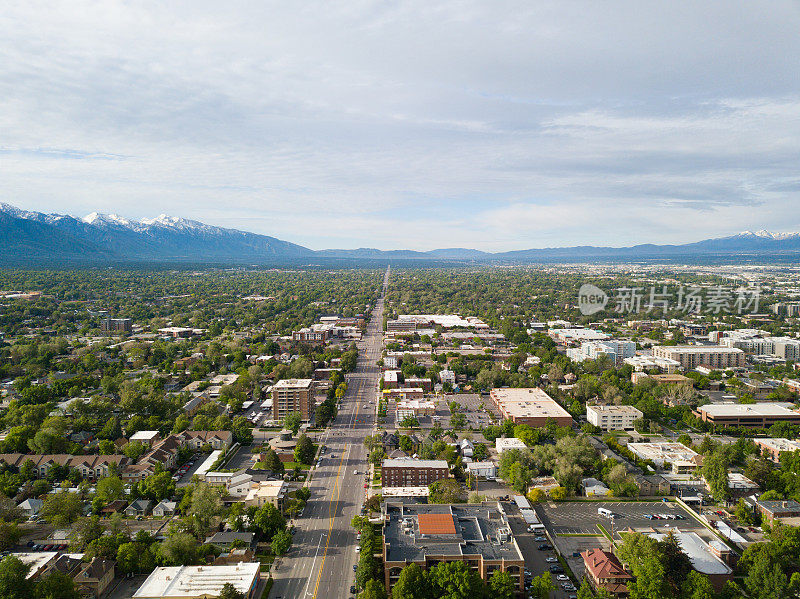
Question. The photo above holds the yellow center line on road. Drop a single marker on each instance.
(338, 489)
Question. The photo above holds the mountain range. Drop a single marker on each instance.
(28, 237)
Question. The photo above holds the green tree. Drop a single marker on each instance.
(281, 542)
(229, 591)
(206, 504)
(445, 491)
(110, 489)
(56, 585)
(293, 421)
(61, 509)
(501, 585)
(13, 581)
(304, 450)
(455, 580)
(642, 556)
(412, 584)
(373, 590)
(178, 549)
(542, 586)
(269, 521)
(744, 513)
(697, 586)
(158, 486)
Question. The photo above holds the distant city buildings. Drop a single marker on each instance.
(757, 415)
(117, 325)
(712, 356)
(614, 350)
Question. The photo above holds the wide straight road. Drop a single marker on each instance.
(320, 563)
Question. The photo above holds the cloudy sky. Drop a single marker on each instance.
(495, 125)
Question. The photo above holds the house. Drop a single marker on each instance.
(467, 448)
(216, 439)
(604, 571)
(31, 507)
(654, 484)
(138, 507)
(239, 484)
(234, 556)
(778, 509)
(228, 539)
(594, 488)
(149, 438)
(118, 505)
(268, 491)
(165, 508)
(95, 577)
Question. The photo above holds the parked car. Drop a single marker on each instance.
(540, 539)
(552, 560)
(562, 577)
(544, 546)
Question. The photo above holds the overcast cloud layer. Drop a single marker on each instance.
(495, 125)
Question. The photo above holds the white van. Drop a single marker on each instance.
(604, 512)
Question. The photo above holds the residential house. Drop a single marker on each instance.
(94, 579)
(138, 507)
(605, 572)
(165, 508)
(229, 539)
(31, 507)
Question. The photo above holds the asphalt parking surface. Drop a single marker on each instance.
(570, 518)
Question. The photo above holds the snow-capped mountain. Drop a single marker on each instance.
(110, 237)
(28, 237)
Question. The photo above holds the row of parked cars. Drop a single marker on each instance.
(184, 469)
(664, 517)
(54, 547)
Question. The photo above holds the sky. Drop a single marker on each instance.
(494, 125)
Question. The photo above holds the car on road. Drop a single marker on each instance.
(355, 567)
(358, 548)
(353, 589)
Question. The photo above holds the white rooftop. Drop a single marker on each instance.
(143, 436)
(401, 463)
(405, 492)
(754, 409)
(197, 581)
(698, 552)
(292, 384)
(504, 443)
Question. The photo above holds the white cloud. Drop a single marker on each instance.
(494, 125)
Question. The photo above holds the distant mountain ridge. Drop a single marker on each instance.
(28, 237)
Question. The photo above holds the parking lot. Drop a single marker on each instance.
(573, 518)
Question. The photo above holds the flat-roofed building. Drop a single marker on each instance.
(712, 356)
(484, 469)
(412, 473)
(477, 534)
(681, 458)
(613, 349)
(405, 492)
(121, 325)
(505, 443)
(641, 363)
(757, 415)
(612, 418)
(775, 447)
(704, 557)
(778, 509)
(391, 379)
(199, 582)
(406, 393)
(267, 491)
(293, 395)
(577, 335)
(531, 406)
(415, 407)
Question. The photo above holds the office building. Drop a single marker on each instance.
(505, 443)
(757, 415)
(614, 350)
(682, 459)
(612, 418)
(530, 406)
(476, 534)
(293, 395)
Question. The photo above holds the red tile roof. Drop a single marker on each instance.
(436, 524)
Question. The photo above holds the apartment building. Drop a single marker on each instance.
(116, 325)
(692, 356)
(293, 395)
(530, 406)
(476, 534)
(412, 473)
(612, 418)
(757, 415)
(614, 350)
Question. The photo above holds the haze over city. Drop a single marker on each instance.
(495, 126)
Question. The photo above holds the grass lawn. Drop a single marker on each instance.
(266, 560)
(292, 465)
